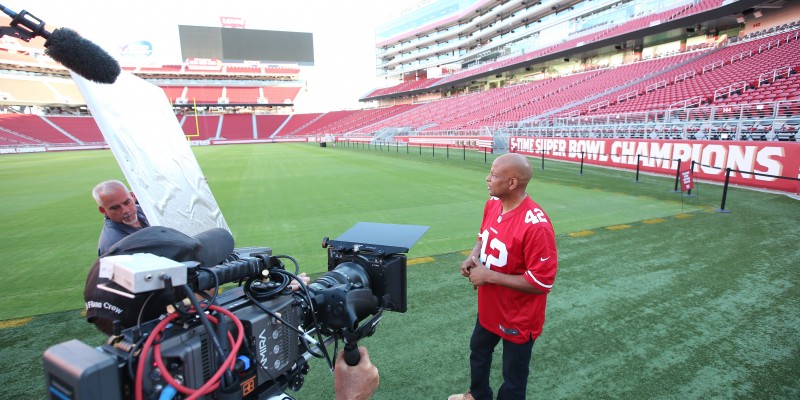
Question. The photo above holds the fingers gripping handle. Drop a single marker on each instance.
(351, 353)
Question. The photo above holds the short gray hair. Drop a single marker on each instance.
(107, 187)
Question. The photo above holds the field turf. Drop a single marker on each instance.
(657, 295)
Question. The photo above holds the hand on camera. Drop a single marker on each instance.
(357, 382)
(295, 286)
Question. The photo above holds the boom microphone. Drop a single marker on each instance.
(81, 56)
(66, 47)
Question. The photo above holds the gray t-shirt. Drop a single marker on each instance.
(113, 232)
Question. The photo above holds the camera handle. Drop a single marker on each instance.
(351, 338)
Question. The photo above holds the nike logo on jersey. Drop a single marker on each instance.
(542, 259)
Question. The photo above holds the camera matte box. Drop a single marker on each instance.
(142, 272)
(394, 238)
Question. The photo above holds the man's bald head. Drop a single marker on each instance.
(516, 166)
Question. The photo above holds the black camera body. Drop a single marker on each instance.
(270, 360)
(387, 272)
(280, 329)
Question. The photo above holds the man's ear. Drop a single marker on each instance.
(101, 209)
(513, 183)
(134, 197)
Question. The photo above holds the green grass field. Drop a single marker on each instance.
(657, 295)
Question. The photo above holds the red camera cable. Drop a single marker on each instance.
(208, 387)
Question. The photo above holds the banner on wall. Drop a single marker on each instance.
(712, 158)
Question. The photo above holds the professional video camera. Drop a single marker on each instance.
(271, 331)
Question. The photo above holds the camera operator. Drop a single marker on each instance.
(122, 212)
(209, 248)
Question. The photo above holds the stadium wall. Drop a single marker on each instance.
(470, 142)
(712, 158)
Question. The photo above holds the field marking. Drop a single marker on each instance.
(580, 234)
(654, 221)
(619, 227)
(13, 323)
(419, 260)
(683, 216)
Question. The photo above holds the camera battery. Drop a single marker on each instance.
(142, 272)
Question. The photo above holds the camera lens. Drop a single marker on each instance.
(343, 274)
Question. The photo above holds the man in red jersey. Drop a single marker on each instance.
(513, 266)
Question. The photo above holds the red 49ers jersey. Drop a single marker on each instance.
(519, 242)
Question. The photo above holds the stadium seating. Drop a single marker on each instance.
(242, 95)
(319, 125)
(569, 43)
(174, 93)
(403, 87)
(279, 94)
(83, 129)
(268, 125)
(710, 73)
(296, 122)
(32, 129)
(787, 131)
(747, 88)
(201, 127)
(362, 118)
(203, 94)
(27, 90)
(237, 126)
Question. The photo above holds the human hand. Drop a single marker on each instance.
(467, 265)
(295, 286)
(357, 382)
(478, 274)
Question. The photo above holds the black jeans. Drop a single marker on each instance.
(516, 365)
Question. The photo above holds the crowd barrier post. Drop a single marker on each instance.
(542, 159)
(677, 176)
(583, 154)
(725, 190)
(638, 158)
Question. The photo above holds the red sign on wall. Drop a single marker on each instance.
(772, 160)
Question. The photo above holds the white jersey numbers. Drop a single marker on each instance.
(535, 216)
(498, 247)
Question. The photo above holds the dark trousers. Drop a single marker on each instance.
(516, 365)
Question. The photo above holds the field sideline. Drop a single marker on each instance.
(657, 296)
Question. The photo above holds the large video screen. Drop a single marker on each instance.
(236, 45)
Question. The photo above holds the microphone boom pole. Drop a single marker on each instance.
(65, 46)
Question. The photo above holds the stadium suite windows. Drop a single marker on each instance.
(454, 34)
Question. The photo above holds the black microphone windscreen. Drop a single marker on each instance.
(82, 56)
